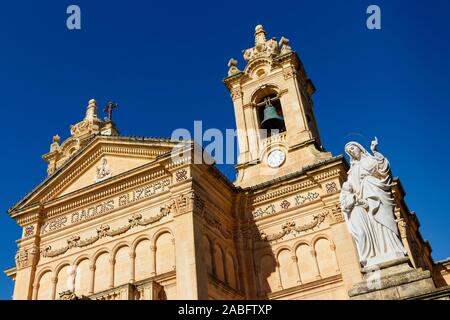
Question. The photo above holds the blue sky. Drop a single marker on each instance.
(164, 63)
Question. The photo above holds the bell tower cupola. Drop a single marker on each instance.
(272, 97)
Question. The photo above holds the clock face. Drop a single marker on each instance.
(276, 158)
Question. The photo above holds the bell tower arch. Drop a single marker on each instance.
(272, 98)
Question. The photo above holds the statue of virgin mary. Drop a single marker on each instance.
(368, 205)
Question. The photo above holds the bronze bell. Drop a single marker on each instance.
(272, 120)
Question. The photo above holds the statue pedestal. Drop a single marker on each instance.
(384, 258)
(392, 280)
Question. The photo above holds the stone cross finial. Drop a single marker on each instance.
(109, 108)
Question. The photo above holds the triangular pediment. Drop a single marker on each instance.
(102, 159)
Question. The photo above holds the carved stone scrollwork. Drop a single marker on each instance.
(270, 209)
(29, 231)
(181, 175)
(182, 204)
(290, 227)
(190, 201)
(105, 231)
(285, 204)
(72, 241)
(301, 199)
(68, 295)
(236, 94)
(289, 73)
(336, 214)
(21, 258)
(331, 187)
(26, 257)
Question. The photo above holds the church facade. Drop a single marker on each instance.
(134, 218)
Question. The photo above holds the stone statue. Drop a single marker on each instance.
(368, 205)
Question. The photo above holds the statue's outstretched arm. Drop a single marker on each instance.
(383, 163)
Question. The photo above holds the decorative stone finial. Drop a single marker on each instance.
(260, 35)
(232, 65)
(55, 145)
(91, 111)
(56, 139)
(284, 45)
(263, 47)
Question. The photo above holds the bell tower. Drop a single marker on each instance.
(272, 97)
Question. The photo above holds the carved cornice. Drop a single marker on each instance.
(296, 187)
(95, 148)
(28, 218)
(111, 191)
(94, 157)
(106, 231)
(181, 162)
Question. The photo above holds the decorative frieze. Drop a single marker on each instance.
(285, 204)
(297, 187)
(29, 231)
(106, 206)
(331, 187)
(260, 212)
(290, 227)
(181, 175)
(113, 190)
(106, 231)
(310, 196)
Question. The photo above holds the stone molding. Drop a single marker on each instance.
(290, 227)
(106, 231)
(106, 206)
(297, 187)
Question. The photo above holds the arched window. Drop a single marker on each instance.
(269, 113)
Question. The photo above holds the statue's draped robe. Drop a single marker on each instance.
(360, 226)
(375, 229)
